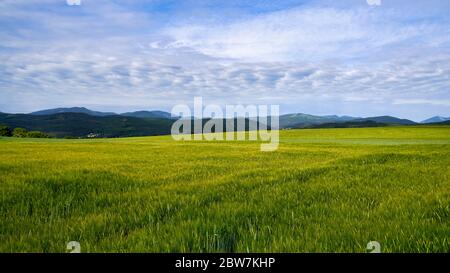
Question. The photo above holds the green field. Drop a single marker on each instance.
(324, 190)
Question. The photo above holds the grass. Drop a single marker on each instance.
(323, 190)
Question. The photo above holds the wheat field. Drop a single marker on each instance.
(323, 190)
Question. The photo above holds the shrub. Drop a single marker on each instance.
(19, 132)
(5, 131)
(37, 134)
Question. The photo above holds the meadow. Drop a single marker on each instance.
(323, 190)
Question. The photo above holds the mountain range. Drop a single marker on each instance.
(81, 122)
(307, 121)
(83, 110)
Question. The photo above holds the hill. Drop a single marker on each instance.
(297, 120)
(81, 110)
(81, 125)
(148, 114)
(435, 119)
(80, 122)
(310, 121)
(388, 120)
(301, 120)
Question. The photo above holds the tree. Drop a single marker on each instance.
(5, 131)
(37, 134)
(19, 132)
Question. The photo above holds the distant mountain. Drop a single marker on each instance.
(309, 121)
(387, 120)
(340, 118)
(72, 110)
(148, 114)
(300, 120)
(83, 110)
(81, 122)
(435, 119)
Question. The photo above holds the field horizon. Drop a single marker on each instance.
(323, 190)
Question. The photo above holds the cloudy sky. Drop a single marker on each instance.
(309, 56)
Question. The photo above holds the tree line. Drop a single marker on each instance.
(6, 131)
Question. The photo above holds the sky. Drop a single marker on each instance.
(322, 57)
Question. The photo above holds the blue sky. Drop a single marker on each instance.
(316, 57)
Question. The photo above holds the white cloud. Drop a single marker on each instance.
(300, 34)
(422, 101)
(138, 77)
(105, 54)
(73, 2)
(374, 2)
